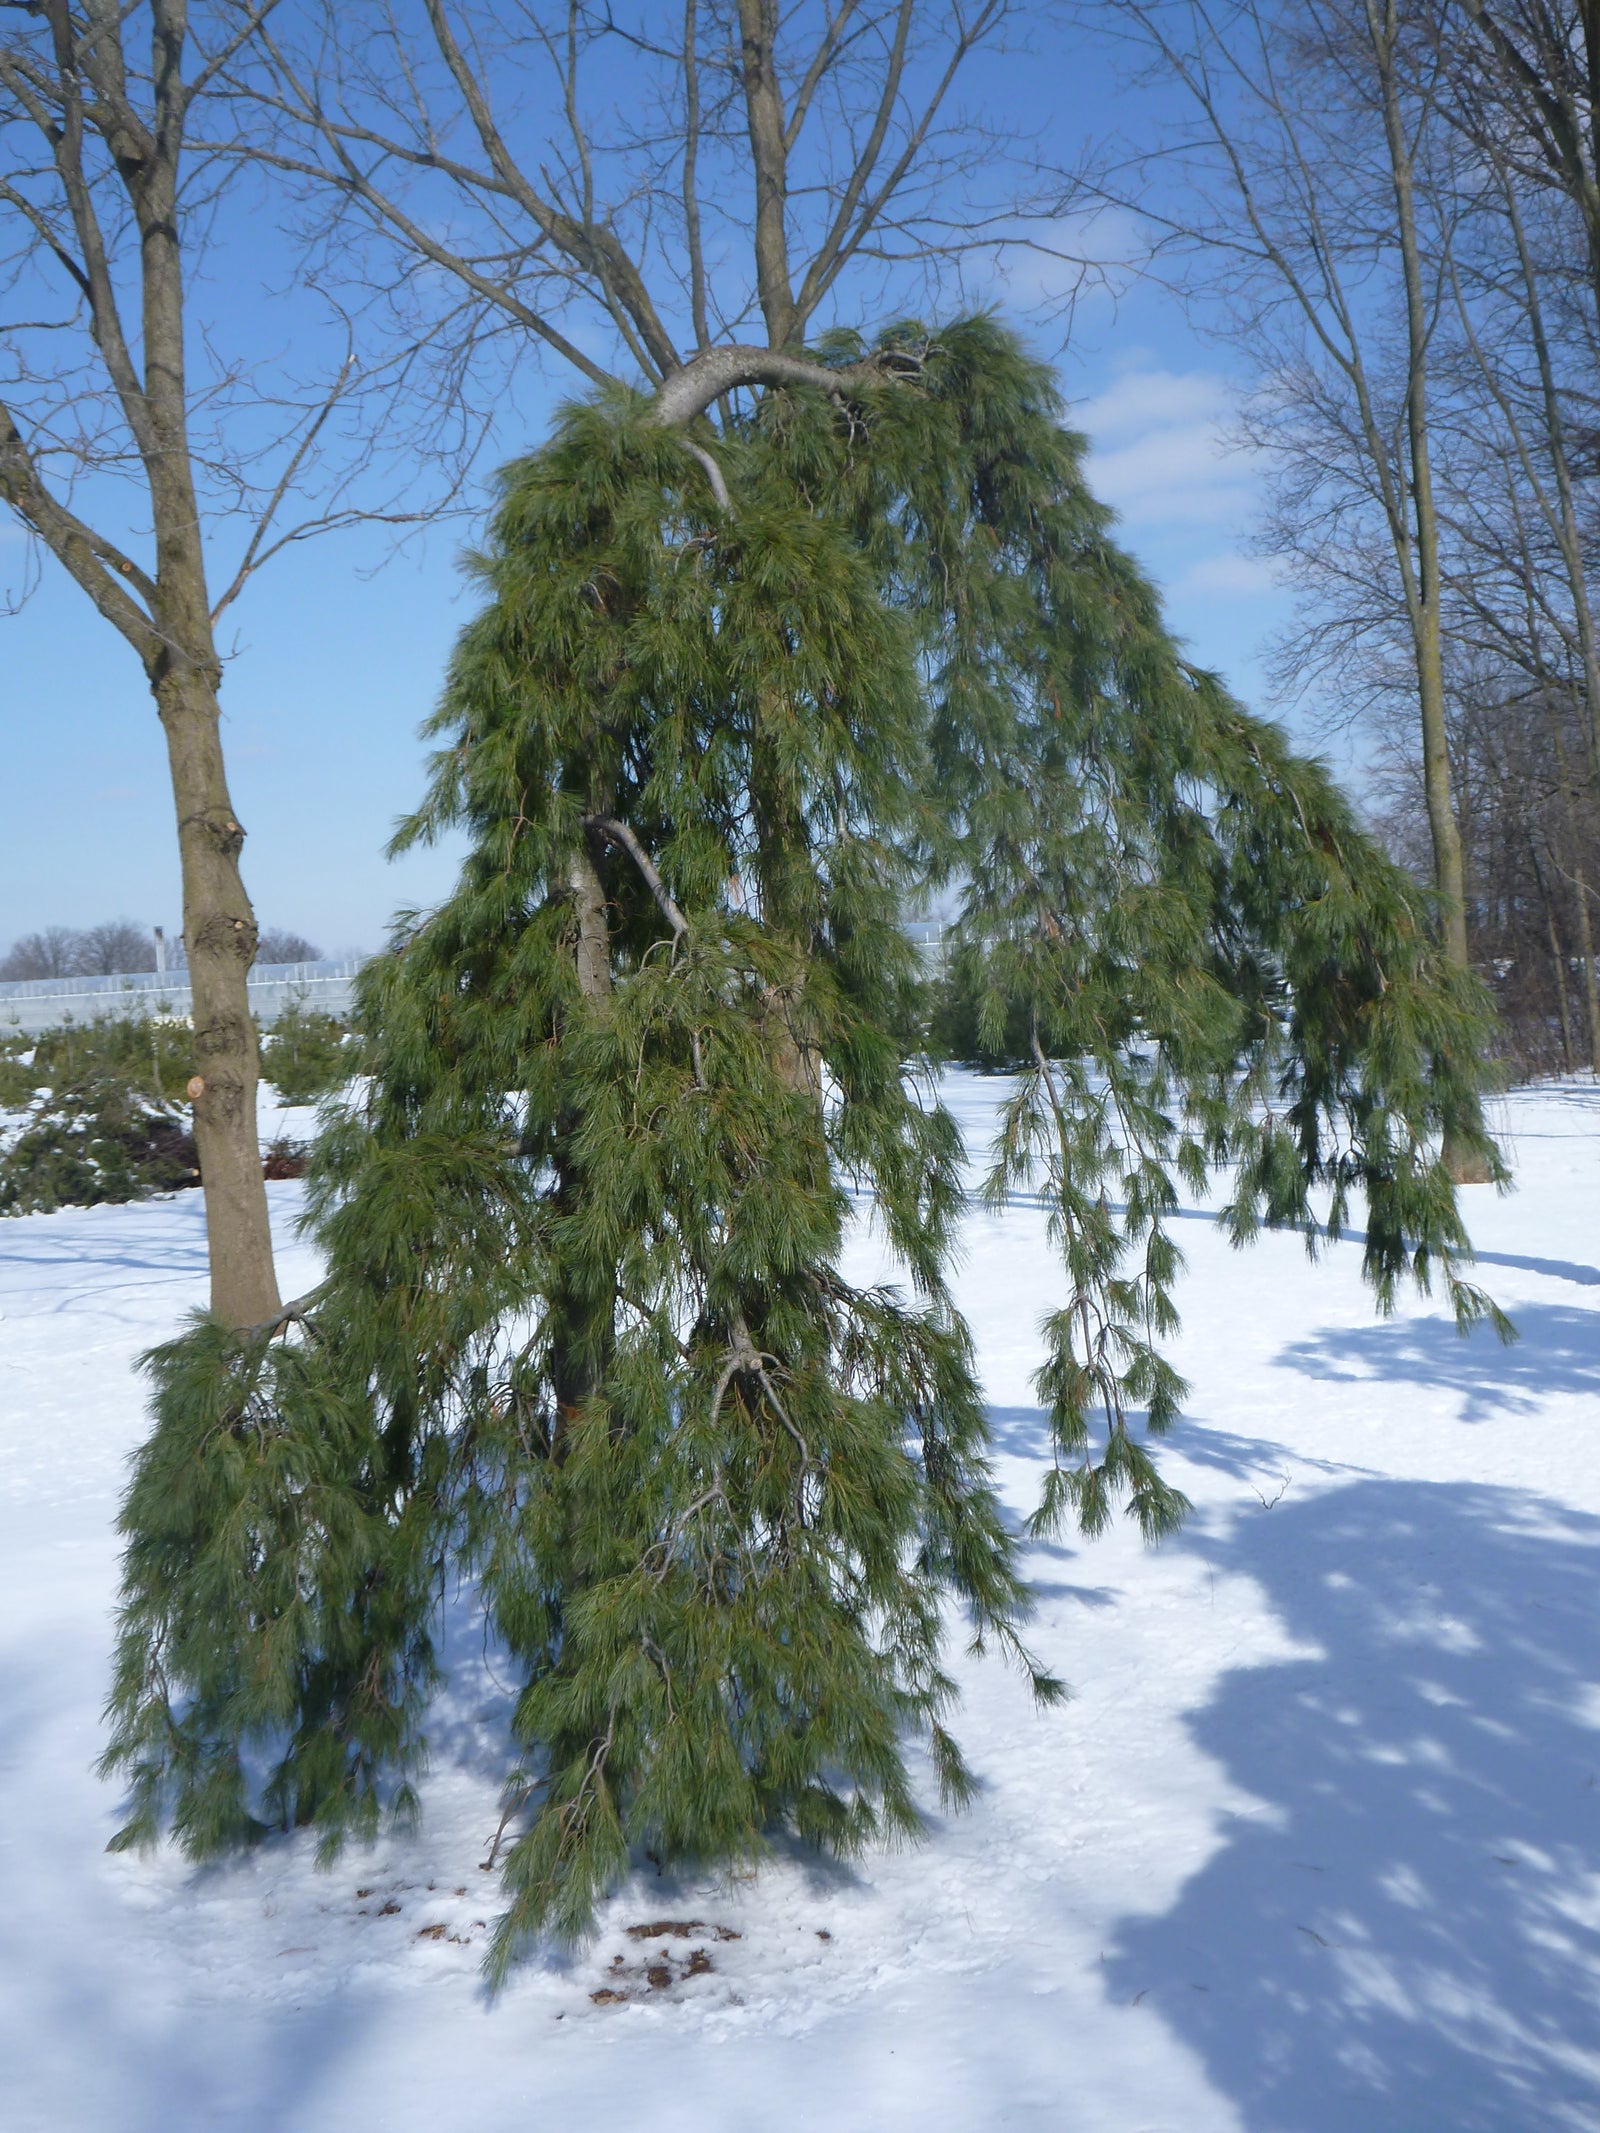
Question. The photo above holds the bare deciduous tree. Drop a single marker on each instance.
(116, 945)
(1530, 851)
(1518, 510)
(127, 441)
(94, 140)
(51, 953)
(624, 190)
(1300, 195)
(278, 946)
(1532, 95)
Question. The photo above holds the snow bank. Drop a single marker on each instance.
(1316, 1846)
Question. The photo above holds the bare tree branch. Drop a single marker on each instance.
(618, 833)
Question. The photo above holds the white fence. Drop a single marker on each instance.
(32, 1004)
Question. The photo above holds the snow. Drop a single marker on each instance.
(1315, 1847)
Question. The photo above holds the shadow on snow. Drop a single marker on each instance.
(1406, 1932)
(1558, 1352)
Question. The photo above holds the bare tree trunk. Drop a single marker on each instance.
(220, 935)
(1449, 868)
(1424, 588)
(1558, 967)
(763, 103)
(185, 674)
(1580, 891)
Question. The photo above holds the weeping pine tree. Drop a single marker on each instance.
(740, 694)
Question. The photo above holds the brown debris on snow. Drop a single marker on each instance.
(660, 1970)
(679, 1929)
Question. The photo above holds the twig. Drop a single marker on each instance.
(1267, 1502)
(518, 1800)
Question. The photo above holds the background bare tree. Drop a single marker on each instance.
(277, 945)
(621, 188)
(1517, 85)
(1390, 209)
(1516, 487)
(121, 946)
(1306, 199)
(1531, 846)
(158, 470)
(53, 952)
(1525, 80)
(115, 945)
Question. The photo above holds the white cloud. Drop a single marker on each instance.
(1141, 400)
(1047, 265)
(1232, 576)
(1161, 453)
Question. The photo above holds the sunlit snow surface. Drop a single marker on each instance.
(1315, 1848)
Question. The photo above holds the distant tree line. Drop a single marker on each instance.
(1530, 836)
(120, 947)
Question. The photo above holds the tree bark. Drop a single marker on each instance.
(763, 103)
(593, 944)
(185, 674)
(1449, 867)
(220, 935)
(1580, 890)
(1465, 1167)
(1558, 969)
(582, 1324)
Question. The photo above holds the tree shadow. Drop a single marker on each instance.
(1405, 1933)
(1019, 1432)
(1558, 1352)
(153, 1239)
(470, 1712)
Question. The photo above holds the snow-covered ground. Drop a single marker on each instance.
(1315, 1848)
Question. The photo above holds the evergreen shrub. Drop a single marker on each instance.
(150, 1055)
(306, 1055)
(17, 1078)
(93, 1140)
(92, 1112)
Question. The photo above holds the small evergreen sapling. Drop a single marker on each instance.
(584, 1336)
(306, 1055)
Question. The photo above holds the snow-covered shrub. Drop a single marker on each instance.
(99, 1139)
(93, 1111)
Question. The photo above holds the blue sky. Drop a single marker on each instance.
(335, 662)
